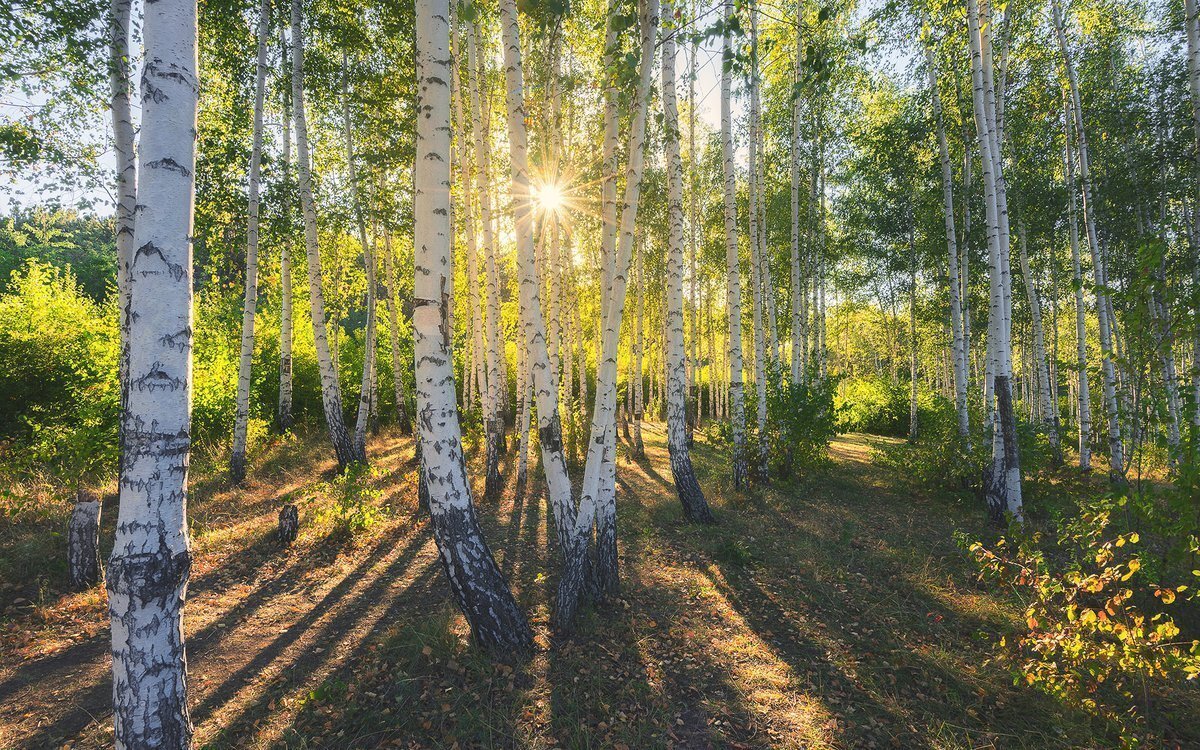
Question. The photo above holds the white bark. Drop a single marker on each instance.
(151, 558)
(284, 411)
(368, 373)
(83, 542)
(1047, 396)
(733, 294)
(241, 420)
(1004, 488)
(1192, 26)
(598, 492)
(558, 482)
(331, 391)
(797, 290)
(639, 345)
(478, 585)
(1104, 315)
(120, 85)
(958, 342)
(695, 507)
(494, 348)
(1084, 417)
(757, 261)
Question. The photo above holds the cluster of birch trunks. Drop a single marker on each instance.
(560, 378)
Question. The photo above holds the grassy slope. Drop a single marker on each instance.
(836, 612)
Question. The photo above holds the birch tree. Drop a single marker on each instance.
(151, 558)
(241, 420)
(958, 341)
(284, 411)
(695, 507)
(120, 85)
(733, 293)
(477, 583)
(331, 391)
(1108, 369)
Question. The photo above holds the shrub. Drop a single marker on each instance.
(58, 392)
(875, 405)
(1097, 626)
(800, 419)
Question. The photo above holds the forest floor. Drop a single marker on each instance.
(835, 612)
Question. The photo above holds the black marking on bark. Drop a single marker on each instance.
(179, 340)
(170, 165)
(551, 435)
(157, 379)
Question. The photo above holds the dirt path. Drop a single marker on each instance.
(834, 612)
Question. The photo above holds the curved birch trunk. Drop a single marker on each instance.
(241, 419)
(478, 585)
(695, 507)
(151, 559)
(558, 482)
(331, 390)
(733, 294)
(597, 497)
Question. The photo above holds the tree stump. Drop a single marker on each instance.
(83, 542)
(289, 524)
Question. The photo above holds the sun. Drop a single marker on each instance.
(550, 198)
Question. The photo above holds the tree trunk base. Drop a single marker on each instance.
(83, 542)
(289, 524)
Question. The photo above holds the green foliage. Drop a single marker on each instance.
(63, 239)
(939, 458)
(58, 395)
(1097, 626)
(800, 417)
(873, 404)
(355, 502)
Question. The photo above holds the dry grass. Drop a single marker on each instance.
(830, 613)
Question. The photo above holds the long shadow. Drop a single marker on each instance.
(53, 667)
(308, 665)
(244, 675)
(94, 701)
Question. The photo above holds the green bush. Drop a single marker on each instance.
(58, 392)
(800, 419)
(874, 405)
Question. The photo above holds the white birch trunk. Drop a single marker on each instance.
(695, 507)
(120, 86)
(1003, 489)
(1116, 447)
(1192, 26)
(598, 490)
(558, 481)
(241, 420)
(733, 294)
(151, 558)
(478, 585)
(284, 411)
(368, 373)
(331, 391)
(1048, 412)
(759, 466)
(1084, 416)
(958, 343)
